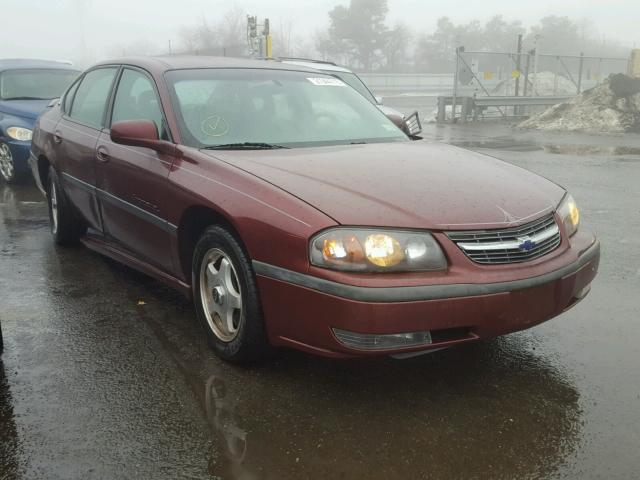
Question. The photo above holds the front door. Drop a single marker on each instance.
(132, 181)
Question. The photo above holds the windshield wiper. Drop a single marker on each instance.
(244, 146)
(26, 98)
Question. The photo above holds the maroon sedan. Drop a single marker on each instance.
(296, 214)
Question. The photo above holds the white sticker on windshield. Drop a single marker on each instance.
(327, 82)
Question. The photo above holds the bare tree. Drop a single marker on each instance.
(227, 36)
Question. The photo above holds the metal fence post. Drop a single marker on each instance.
(516, 109)
(526, 83)
(455, 85)
(580, 72)
(526, 75)
(518, 66)
(442, 110)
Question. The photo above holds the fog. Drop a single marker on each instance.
(85, 31)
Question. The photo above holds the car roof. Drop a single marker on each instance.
(181, 62)
(316, 65)
(27, 63)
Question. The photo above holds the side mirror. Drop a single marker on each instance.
(139, 133)
(410, 125)
(414, 125)
(399, 122)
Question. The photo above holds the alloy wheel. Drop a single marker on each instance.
(6, 162)
(220, 295)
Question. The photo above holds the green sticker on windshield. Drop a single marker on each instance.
(327, 82)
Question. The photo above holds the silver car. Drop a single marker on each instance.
(350, 78)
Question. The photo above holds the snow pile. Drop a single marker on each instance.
(611, 107)
(541, 84)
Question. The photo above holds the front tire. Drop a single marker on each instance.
(66, 228)
(226, 298)
(7, 166)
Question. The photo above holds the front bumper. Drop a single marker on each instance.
(302, 311)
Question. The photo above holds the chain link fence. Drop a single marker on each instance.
(526, 74)
(506, 74)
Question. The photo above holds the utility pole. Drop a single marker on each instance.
(252, 34)
(268, 41)
(260, 44)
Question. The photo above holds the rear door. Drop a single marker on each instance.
(132, 181)
(76, 136)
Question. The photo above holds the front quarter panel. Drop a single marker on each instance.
(273, 225)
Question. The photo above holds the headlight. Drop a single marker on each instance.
(569, 214)
(19, 133)
(368, 250)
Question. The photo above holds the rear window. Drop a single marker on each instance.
(35, 84)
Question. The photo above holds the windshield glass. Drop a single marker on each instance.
(276, 107)
(354, 81)
(40, 84)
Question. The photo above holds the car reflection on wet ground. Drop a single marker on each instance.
(106, 374)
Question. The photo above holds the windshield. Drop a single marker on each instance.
(354, 81)
(32, 84)
(226, 107)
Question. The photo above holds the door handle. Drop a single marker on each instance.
(57, 138)
(102, 154)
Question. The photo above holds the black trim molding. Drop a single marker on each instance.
(123, 204)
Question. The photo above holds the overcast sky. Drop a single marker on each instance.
(55, 28)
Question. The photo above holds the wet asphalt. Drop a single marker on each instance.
(106, 373)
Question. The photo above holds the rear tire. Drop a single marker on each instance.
(66, 227)
(226, 298)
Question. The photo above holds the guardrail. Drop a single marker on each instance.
(475, 106)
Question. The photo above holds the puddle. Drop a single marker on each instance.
(499, 145)
(577, 150)
(581, 150)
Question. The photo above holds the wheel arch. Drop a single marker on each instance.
(193, 222)
(43, 170)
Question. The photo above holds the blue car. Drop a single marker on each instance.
(26, 89)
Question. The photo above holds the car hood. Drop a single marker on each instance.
(407, 184)
(29, 109)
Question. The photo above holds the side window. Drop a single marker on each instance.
(136, 99)
(90, 100)
(68, 98)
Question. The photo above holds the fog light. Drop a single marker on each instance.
(583, 292)
(371, 341)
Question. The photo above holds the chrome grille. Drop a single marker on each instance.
(510, 245)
